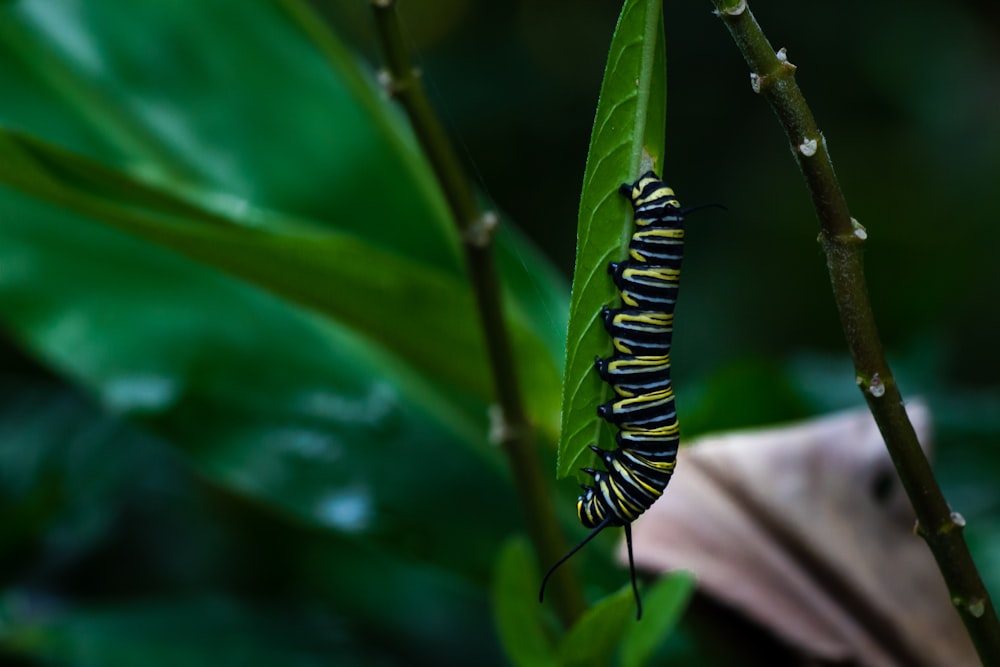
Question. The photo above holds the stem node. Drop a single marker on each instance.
(480, 231)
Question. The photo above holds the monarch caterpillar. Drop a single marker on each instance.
(638, 470)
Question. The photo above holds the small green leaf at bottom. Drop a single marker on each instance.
(664, 605)
(594, 638)
(519, 617)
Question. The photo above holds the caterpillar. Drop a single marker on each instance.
(637, 471)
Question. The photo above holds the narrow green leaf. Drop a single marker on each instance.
(519, 617)
(664, 604)
(52, 173)
(594, 638)
(628, 134)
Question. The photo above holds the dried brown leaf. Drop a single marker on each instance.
(806, 530)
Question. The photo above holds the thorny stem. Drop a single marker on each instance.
(476, 227)
(842, 239)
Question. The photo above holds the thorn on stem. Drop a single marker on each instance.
(394, 86)
(859, 230)
(976, 607)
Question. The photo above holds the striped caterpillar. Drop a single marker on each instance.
(638, 470)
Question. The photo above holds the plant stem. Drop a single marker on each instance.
(842, 239)
(476, 228)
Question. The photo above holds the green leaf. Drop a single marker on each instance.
(664, 604)
(342, 420)
(220, 117)
(519, 617)
(265, 399)
(611, 623)
(201, 127)
(627, 138)
(376, 291)
(596, 636)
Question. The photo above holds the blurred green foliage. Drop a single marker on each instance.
(206, 460)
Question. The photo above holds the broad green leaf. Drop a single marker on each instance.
(664, 604)
(627, 138)
(519, 617)
(370, 290)
(332, 149)
(230, 135)
(265, 399)
(348, 161)
(596, 636)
